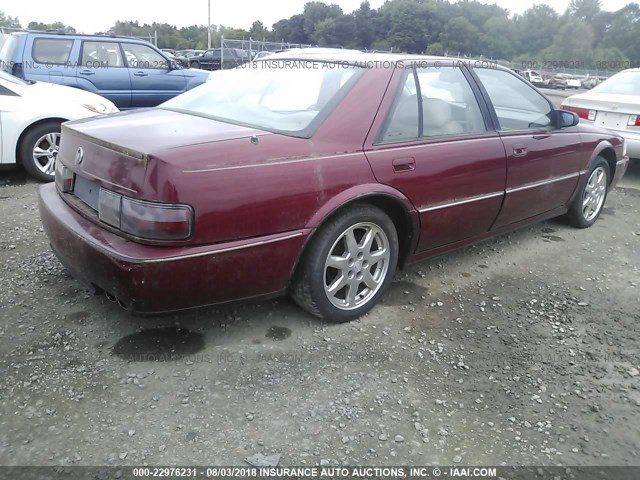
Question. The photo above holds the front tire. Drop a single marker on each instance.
(348, 265)
(589, 202)
(38, 150)
(194, 64)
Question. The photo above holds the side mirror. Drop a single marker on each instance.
(175, 65)
(567, 119)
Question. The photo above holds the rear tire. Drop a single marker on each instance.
(38, 150)
(348, 265)
(589, 202)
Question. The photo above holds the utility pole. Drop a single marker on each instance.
(209, 25)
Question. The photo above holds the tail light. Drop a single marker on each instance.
(584, 113)
(146, 220)
(634, 121)
(64, 178)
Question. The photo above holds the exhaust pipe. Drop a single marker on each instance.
(112, 298)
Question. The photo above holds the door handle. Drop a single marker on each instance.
(87, 72)
(519, 150)
(140, 74)
(401, 165)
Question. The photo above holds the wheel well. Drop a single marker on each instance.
(396, 211)
(610, 156)
(29, 128)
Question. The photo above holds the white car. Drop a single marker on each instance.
(572, 82)
(30, 117)
(534, 77)
(615, 105)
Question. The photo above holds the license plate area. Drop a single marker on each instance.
(87, 191)
(612, 120)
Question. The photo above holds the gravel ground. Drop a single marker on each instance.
(522, 350)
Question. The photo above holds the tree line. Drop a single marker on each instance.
(584, 36)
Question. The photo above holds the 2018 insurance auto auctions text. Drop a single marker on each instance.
(317, 472)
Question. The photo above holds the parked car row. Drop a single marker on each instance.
(328, 178)
(217, 58)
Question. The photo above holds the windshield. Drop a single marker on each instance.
(10, 78)
(623, 83)
(285, 96)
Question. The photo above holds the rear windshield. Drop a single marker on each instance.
(291, 97)
(623, 83)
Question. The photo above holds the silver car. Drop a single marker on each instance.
(615, 105)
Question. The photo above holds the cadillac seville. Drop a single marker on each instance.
(317, 177)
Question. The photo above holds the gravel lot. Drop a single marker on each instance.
(522, 350)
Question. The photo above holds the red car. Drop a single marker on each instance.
(315, 175)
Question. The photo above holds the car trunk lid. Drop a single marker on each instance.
(116, 150)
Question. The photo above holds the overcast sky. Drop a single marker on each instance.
(91, 16)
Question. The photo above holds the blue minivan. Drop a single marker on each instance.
(128, 71)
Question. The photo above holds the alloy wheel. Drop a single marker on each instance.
(356, 266)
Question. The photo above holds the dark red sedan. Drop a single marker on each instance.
(316, 175)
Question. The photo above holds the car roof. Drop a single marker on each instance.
(56, 34)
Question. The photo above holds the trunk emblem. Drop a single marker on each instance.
(613, 106)
(79, 155)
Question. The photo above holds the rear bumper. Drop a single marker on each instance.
(633, 146)
(149, 279)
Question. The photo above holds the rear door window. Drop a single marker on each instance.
(51, 51)
(440, 104)
(101, 55)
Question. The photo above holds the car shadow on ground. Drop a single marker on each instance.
(15, 177)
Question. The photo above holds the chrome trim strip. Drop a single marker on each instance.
(461, 202)
(275, 161)
(213, 252)
(543, 182)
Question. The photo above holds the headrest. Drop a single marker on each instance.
(436, 112)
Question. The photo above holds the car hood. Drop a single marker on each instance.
(50, 92)
(605, 101)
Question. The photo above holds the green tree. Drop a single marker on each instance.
(535, 29)
(585, 10)
(461, 37)
(57, 26)
(258, 31)
(435, 48)
(7, 21)
(365, 33)
(624, 31)
(316, 12)
(407, 25)
(290, 30)
(572, 43)
(498, 37)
